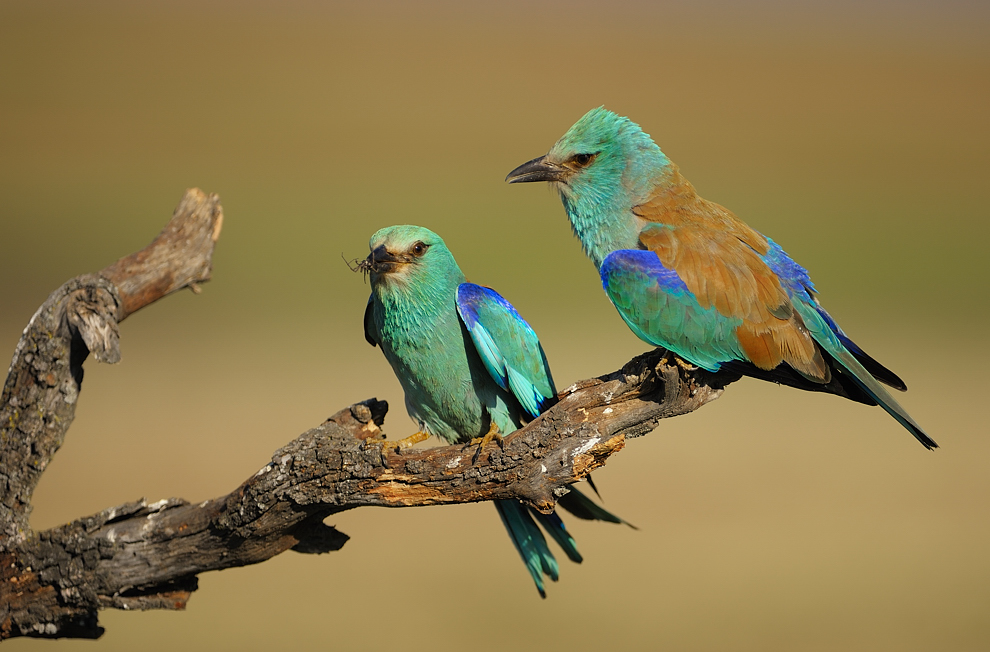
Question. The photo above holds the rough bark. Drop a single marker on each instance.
(147, 556)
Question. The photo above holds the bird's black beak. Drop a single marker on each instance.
(382, 255)
(379, 260)
(539, 169)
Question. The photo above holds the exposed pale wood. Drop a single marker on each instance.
(147, 556)
(179, 257)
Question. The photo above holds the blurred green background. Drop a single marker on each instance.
(855, 134)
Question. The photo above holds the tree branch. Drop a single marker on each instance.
(147, 556)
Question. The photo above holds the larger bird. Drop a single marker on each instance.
(686, 274)
(469, 365)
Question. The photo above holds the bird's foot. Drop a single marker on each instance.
(492, 435)
(398, 445)
(670, 356)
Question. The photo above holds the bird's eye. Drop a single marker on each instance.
(583, 160)
(420, 248)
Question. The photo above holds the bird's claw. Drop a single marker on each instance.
(399, 445)
(671, 357)
(492, 435)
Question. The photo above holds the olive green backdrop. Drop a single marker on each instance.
(855, 135)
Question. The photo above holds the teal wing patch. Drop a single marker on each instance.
(508, 346)
(658, 307)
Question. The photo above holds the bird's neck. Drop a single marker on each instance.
(603, 215)
(602, 227)
(419, 311)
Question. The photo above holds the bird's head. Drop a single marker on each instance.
(602, 153)
(405, 255)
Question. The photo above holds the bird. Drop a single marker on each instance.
(470, 367)
(687, 275)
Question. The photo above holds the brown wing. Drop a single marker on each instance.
(719, 258)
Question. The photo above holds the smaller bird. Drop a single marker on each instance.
(471, 369)
(687, 275)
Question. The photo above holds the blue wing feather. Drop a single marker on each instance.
(507, 345)
(799, 288)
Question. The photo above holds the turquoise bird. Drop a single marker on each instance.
(687, 275)
(470, 366)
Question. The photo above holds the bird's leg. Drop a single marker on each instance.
(411, 440)
(492, 434)
(397, 445)
(669, 356)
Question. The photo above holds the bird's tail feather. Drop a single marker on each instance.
(873, 388)
(521, 522)
(529, 541)
(877, 370)
(586, 509)
(555, 528)
(833, 343)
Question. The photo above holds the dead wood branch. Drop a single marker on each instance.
(147, 556)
